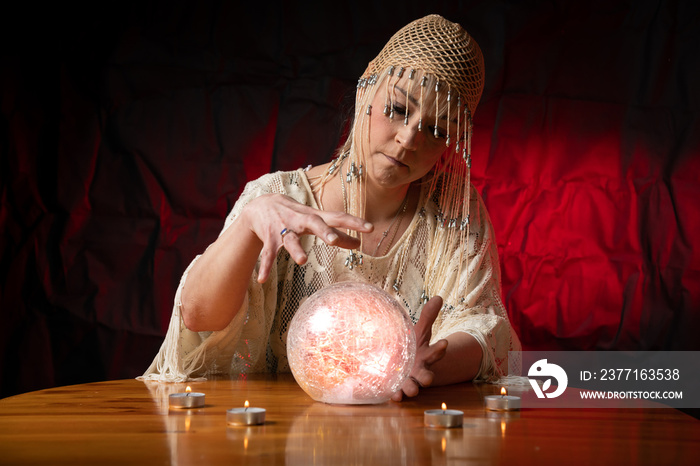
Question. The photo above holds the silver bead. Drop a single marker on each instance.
(369, 109)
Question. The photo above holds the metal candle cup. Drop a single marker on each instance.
(186, 400)
(502, 402)
(443, 417)
(245, 416)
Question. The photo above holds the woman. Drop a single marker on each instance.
(395, 208)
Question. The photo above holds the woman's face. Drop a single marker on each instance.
(398, 153)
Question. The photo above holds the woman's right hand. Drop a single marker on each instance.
(217, 282)
(268, 215)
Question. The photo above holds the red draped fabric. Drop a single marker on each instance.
(128, 135)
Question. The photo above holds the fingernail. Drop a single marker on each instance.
(331, 237)
(368, 225)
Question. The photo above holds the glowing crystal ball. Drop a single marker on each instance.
(351, 343)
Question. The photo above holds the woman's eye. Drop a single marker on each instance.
(437, 132)
(399, 109)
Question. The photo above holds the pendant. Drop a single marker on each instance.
(353, 260)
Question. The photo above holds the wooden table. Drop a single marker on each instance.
(128, 422)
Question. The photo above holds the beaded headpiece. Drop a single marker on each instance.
(438, 47)
(446, 63)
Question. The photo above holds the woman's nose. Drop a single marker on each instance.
(407, 136)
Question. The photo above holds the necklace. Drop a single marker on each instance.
(399, 213)
(353, 258)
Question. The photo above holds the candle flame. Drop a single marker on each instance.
(504, 392)
(188, 389)
(246, 405)
(444, 406)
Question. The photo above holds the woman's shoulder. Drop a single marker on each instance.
(276, 181)
(293, 183)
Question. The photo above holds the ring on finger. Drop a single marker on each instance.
(285, 231)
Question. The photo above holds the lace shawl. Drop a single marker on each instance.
(254, 340)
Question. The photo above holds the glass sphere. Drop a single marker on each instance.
(351, 343)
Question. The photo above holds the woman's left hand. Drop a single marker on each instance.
(426, 354)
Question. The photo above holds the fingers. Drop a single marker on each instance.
(267, 257)
(435, 353)
(285, 212)
(426, 354)
(431, 309)
(410, 387)
(424, 326)
(287, 239)
(291, 243)
(345, 221)
(274, 214)
(330, 226)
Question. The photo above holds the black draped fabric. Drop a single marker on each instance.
(128, 131)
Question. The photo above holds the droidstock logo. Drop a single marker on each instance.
(542, 368)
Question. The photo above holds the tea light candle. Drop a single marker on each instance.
(245, 416)
(502, 402)
(186, 400)
(443, 417)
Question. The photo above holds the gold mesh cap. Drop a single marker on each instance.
(440, 47)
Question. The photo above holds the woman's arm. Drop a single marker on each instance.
(461, 362)
(217, 283)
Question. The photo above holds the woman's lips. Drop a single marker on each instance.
(394, 161)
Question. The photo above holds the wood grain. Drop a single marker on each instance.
(128, 422)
